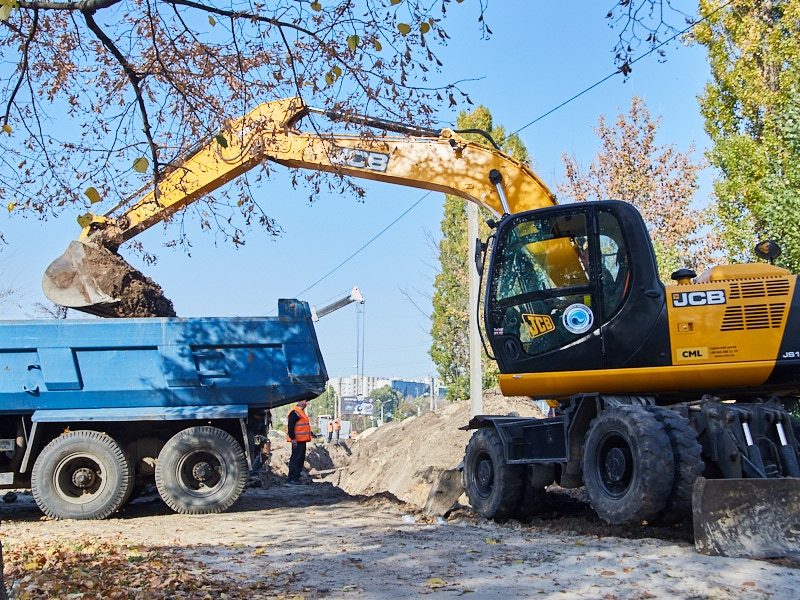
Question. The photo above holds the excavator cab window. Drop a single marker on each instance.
(556, 276)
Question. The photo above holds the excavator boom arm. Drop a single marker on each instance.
(446, 163)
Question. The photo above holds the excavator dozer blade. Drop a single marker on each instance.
(97, 281)
(747, 518)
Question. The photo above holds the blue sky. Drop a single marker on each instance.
(540, 54)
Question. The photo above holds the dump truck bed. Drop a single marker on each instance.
(176, 363)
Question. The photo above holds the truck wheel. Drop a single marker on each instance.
(81, 475)
(628, 466)
(201, 470)
(688, 460)
(493, 487)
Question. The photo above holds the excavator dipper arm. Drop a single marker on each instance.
(441, 161)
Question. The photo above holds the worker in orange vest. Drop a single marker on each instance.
(298, 432)
(337, 426)
(330, 430)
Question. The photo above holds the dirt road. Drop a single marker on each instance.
(315, 541)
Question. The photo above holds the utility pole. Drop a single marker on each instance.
(475, 369)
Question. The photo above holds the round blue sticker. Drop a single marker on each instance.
(578, 318)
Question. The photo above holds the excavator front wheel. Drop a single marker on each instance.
(494, 487)
(628, 465)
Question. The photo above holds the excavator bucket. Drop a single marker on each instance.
(95, 280)
(747, 518)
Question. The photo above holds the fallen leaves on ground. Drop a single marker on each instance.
(88, 569)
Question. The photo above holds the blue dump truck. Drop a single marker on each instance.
(93, 409)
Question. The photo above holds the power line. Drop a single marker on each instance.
(354, 254)
(623, 68)
(536, 120)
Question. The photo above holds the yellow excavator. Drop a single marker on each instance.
(668, 401)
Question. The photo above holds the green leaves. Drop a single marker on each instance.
(6, 7)
(141, 164)
(404, 28)
(333, 74)
(352, 42)
(316, 6)
(93, 195)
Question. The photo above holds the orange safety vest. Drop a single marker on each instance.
(302, 429)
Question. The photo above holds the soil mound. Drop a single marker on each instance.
(400, 458)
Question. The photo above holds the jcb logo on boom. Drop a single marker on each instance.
(360, 159)
(680, 299)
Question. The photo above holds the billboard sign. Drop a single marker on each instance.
(357, 406)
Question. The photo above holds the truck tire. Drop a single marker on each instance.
(628, 465)
(687, 455)
(81, 475)
(494, 488)
(201, 470)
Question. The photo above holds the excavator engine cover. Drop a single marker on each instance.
(747, 518)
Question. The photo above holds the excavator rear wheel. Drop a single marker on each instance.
(628, 465)
(494, 487)
(689, 465)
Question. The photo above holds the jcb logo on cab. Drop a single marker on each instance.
(538, 324)
(680, 299)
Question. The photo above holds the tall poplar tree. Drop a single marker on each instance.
(752, 114)
(657, 179)
(450, 318)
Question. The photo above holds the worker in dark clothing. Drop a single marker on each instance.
(298, 432)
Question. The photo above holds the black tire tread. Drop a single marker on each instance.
(688, 458)
(196, 438)
(87, 441)
(506, 496)
(654, 468)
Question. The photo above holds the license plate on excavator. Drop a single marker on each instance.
(747, 518)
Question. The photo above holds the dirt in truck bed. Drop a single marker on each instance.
(355, 529)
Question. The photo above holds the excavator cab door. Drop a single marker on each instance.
(558, 278)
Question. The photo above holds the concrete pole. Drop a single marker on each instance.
(475, 370)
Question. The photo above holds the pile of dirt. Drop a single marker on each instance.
(400, 458)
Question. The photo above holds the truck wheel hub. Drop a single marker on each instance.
(202, 471)
(83, 478)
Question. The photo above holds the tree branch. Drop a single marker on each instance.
(135, 81)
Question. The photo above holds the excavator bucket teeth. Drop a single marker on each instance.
(747, 518)
(97, 281)
(71, 280)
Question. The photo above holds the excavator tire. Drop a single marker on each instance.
(537, 478)
(688, 459)
(628, 465)
(494, 488)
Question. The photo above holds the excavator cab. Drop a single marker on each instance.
(569, 279)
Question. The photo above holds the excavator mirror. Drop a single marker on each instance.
(480, 254)
(768, 250)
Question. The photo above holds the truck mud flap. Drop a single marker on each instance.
(747, 518)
